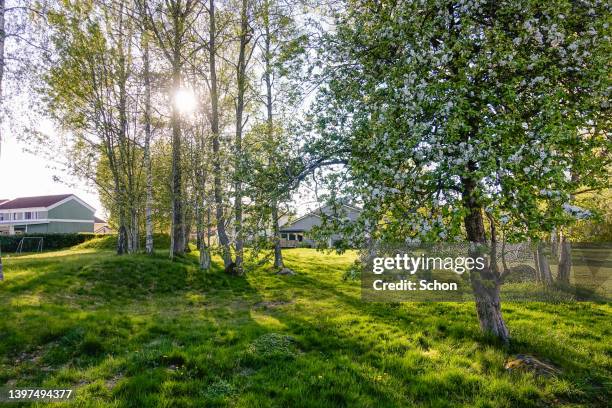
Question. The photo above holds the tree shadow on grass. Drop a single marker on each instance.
(438, 321)
(161, 305)
(132, 340)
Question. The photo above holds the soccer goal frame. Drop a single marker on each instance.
(39, 247)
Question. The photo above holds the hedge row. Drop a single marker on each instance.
(9, 243)
(160, 241)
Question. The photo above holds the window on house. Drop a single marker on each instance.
(300, 238)
(283, 236)
(28, 215)
(291, 237)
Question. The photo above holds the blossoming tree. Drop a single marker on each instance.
(456, 116)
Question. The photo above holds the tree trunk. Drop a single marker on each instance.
(134, 229)
(187, 230)
(544, 266)
(208, 232)
(122, 241)
(241, 82)
(201, 206)
(199, 232)
(554, 243)
(122, 235)
(125, 204)
(214, 124)
(565, 248)
(278, 253)
(204, 254)
(147, 153)
(486, 284)
(565, 261)
(536, 262)
(178, 237)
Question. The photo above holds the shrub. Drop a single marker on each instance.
(9, 243)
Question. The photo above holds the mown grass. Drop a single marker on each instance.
(138, 331)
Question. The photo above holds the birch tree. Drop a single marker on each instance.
(89, 92)
(147, 147)
(171, 23)
(245, 51)
(280, 52)
(212, 48)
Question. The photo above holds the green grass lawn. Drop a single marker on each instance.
(142, 331)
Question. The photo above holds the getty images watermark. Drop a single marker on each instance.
(412, 264)
(443, 272)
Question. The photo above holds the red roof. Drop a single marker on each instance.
(31, 202)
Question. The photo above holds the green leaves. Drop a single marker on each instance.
(431, 94)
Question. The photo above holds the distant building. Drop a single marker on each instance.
(102, 227)
(296, 233)
(65, 213)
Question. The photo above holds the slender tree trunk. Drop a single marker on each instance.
(214, 123)
(208, 232)
(278, 253)
(187, 230)
(543, 266)
(122, 234)
(199, 216)
(199, 227)
(536, 263)
(147, 153)
(201, 206)
(565, 260)
(134, 229)
(125, 176)
(486, 284)
(241, 81)
(204, 254)
(122, 240)
(554, 243)
(178, 235)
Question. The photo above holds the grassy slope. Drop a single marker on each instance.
(137, 331)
